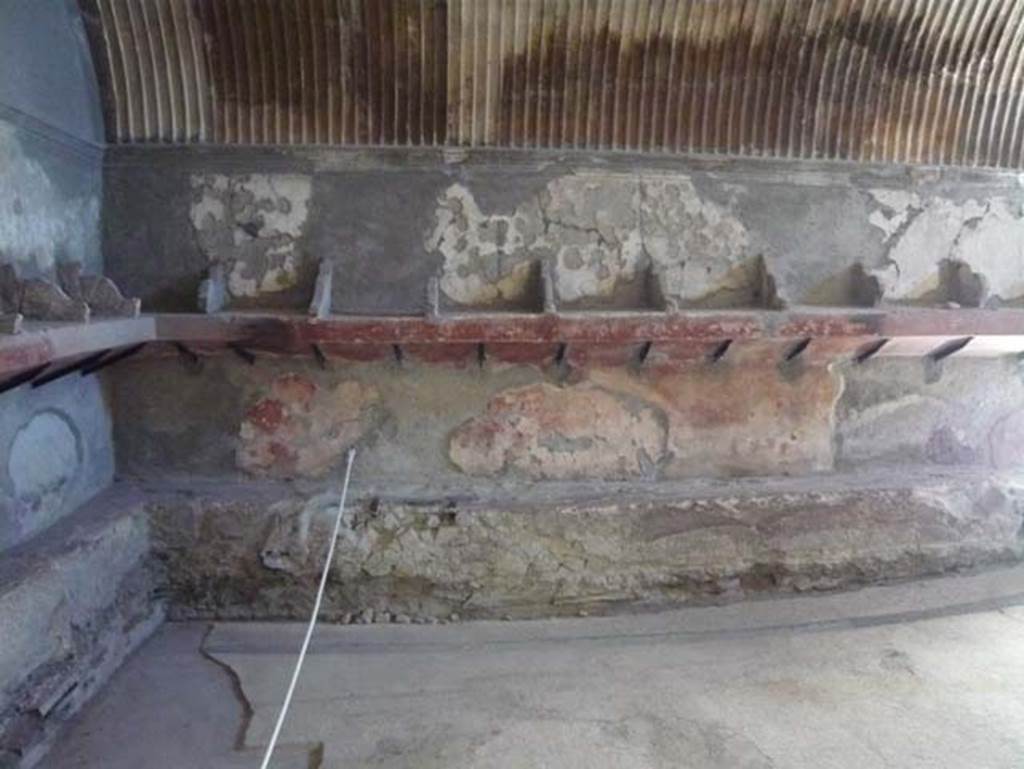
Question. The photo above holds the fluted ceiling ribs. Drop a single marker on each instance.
(919, 81)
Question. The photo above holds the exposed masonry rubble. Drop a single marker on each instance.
(565, 550)
(73, 605)
(938, 250)
(253, 225)
(609, 237)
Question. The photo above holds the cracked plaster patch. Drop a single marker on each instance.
(986, 236)
(301, 429)
(600, 230)
(549, 432)
(253, 225)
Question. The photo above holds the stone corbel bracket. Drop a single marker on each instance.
(10, 318)
(213, 290)
(668, 303)
(100, 294)
(320, 306)
(432, 310)
(547, 287)
(10, 323)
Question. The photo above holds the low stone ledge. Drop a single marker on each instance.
(558, 549)
(74, 602)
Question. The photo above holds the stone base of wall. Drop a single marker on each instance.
(73, 604)
(253, 551)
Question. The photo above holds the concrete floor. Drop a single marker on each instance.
(926, 674)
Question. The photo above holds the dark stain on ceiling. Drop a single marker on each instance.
(893, 81)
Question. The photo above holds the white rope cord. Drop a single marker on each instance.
(312, 619)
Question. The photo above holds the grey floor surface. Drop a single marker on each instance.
(924, 674)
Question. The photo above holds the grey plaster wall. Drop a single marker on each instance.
(707, 234)
(51, 134)
(47, 67)
(55, 444)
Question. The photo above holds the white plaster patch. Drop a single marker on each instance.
(695, 243)
(986, 236)
(37, 221)
(593, 228)
(896, 208)
(253, 225)
(483, 254)
(600, 230)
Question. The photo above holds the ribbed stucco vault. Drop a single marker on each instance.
(919, 81)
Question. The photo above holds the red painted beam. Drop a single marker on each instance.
(590, 338)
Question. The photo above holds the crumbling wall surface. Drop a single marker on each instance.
(513, 489)
(614, 232)
(287, 418)
(561, 549)
(73, 605)
(56, 452)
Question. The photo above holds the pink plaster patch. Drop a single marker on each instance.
(303, 430)
(267, 415)
(544, 431)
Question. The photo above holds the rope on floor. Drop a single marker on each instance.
(313, 618)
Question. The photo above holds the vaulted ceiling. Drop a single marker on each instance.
(918, 81)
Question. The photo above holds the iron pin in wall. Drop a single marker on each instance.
(242, 353)
(110, 360)
(25, 376)
(318, 353)
(189, 359)
(869, 350)
(561, 361)
(797, 350)
(644, 353)
(186, 353)
(951, 347)
(78, 365)
(719, 350)
(561, 354)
